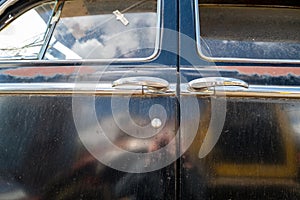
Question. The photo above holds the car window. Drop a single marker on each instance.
(24, 37)
(233, 31)
(97, 29)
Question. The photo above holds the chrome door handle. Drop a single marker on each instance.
(204, 83)
(152, 83)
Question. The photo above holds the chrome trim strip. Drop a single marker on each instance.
(80, 88)
(105, 88)
(116, 60)
(258, 91)
(224, 59)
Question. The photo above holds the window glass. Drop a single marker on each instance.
(237, 30)
(102, 29)
(23, 38)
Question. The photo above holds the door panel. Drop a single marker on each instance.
(246, 144)
(55, 147)
(255, 156)
(74, 129)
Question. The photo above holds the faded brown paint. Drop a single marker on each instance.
(273, 71)
(47, 71)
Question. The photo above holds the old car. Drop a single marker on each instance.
(149, 99)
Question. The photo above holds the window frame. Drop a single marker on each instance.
(110, 60)
(47, 31)
(230, 59)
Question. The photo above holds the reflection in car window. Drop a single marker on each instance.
(237, 31)
(19, 40)
(91, 30)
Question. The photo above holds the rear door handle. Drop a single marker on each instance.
(205, 83)
(151, 83)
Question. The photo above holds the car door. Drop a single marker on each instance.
(89, 106)
(240, 61)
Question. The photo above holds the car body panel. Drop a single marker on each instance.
(45, 153)
(243, 159)
(231, 142)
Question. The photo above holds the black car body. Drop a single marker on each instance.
(154, 99)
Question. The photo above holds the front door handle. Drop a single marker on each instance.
(205, 83)
(151, 83)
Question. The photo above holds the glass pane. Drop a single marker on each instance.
(94, 32)
(24, 37)
(236, 30)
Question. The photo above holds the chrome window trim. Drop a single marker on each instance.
(6, 4)
(111, 60)
(3, 7)
(46, 32)
(50, 28)
(225, 59)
